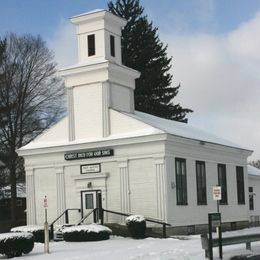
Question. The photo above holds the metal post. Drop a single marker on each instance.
(220, 240)
(67, 216)
(102, 216)
(164, 230)
(218, 206)
(210, 238)
(52, 230)
(94, 215)
(46, 234)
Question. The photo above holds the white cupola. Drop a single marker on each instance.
(98, 82)
(99, 36)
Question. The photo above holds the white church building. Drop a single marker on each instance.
(105, 152)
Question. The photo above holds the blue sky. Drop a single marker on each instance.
(42, 17)
(214, 45)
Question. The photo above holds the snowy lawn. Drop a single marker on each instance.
(118, 248)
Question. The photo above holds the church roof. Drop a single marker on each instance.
(134, 125)
(183, 130)
(253, 171)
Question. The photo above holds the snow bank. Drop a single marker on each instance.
(87, 228)
(5, 236)
(30, 228)
(135, 218)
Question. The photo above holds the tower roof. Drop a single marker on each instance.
(95, 15)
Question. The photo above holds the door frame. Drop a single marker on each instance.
(98, 199)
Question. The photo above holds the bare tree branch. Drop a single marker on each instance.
(32, 97)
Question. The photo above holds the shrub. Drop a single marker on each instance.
(37, 231)
(92, 232)
(14, 244)
(136, 226)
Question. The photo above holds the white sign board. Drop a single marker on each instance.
(90, 168)
(216, 192)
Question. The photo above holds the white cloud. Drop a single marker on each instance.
(221, 81)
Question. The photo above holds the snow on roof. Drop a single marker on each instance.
(253, 170)
(57, 135)
(182, 129)
(97, 61)
(90, 12)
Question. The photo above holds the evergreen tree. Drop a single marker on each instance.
(142, 50)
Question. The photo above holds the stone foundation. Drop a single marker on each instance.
(199, 229)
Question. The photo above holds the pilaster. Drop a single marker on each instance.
(30, 197)
(71, 120)
(105, 108)
(160, 188)
(124, 187)
(61, 195)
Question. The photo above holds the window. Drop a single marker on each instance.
(251, 198)
(89, 201)
(181, 181)
(91, 45)
(222, 181)
(240, 185)
(201, 183)
(112, 45)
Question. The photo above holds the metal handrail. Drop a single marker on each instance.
(65, 212)
(164, 224)
(157, 221)
(100, 217)
(86, 216)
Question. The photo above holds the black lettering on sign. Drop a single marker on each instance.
(89, 154)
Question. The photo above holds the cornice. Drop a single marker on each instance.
(69, 147)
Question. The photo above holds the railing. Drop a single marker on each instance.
(98, 216)
(66, 213)
(156, 221)
(87, 215)
(254, 221)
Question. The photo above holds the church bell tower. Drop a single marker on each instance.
(98, 82)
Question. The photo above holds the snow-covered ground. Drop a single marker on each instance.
(118, 248)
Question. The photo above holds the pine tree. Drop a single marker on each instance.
(142, 50)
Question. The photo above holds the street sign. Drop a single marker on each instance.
(215, 220)
(45, 202)
(216, 191)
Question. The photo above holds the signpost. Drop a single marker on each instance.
(215, 220)
(46, 227)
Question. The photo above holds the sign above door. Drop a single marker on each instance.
(90, 168)
(89, 154)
